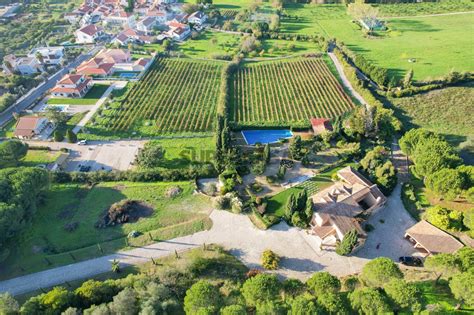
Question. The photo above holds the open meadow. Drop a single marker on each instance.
(438, 44)
(176, 95)
(286, 91)
(63, 230)
(449, 111)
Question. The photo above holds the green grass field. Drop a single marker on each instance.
(37, 157)
(277, 203)
(47, 243)
(182, 152)
(439, 44)
(94, 94)
(448, 111)
(209, 44)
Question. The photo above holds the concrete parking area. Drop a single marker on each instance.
(97, 155)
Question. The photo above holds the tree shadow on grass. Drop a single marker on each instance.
(407, 25)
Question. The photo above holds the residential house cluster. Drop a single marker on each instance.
(108, 61)
(34, 62)
(140, 26)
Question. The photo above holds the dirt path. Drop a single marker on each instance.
(345, 80)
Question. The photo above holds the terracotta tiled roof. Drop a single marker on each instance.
(433, 239)
(90, 29)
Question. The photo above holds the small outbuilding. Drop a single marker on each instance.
(430, 240)
(321, 125)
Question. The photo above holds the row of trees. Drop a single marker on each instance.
(20, 192)
(11, 153)
(380, 288)
(377, 165)
(438, 164)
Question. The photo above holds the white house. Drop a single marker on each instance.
(48, 55)
(29, 126)
(88, 34)
(72, 85)
(23, 65)
(178, 31)
(121, 18)
(197, 17)
(147, 24)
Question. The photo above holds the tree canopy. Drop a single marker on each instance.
(380, 271)
(11, 152)
(202, 297)
(261, 288)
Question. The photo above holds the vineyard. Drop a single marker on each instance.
(176, 95)
(286, 92)
(229, 14)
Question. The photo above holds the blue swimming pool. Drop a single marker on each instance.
(265, 136)
(128, 75)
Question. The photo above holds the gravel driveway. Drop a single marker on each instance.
(300, 252)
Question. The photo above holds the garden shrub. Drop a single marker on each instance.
(348, 243)
(270, 260)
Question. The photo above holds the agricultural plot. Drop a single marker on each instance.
(285, 92)
(176, 95)
(438, 43)
(229, 14)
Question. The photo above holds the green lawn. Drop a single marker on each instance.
(448, 111)
(181, 152)
(8, 130)
(439, 44)
(277, 203)
(94, 94)
(37, 157)
(47, 244)
(440, 295)
(209, 44)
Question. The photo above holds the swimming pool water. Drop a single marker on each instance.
(265, 136)
(128, 75)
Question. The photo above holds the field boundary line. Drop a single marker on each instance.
(426, 15)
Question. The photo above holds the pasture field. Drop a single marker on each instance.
(182, 152)
(439, 44)
(285, 92)
(176, 95)
(209, 44)
(448, 111)
(48, 242)
(425, 8)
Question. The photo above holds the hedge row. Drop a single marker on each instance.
(377, 74)
(451, 78)
(153, 175)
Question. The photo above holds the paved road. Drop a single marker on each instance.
(300, 252)
(37, 92)
(99, 155)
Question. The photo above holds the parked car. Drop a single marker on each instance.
(82, 142)
(84, 169)
(411, 261)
